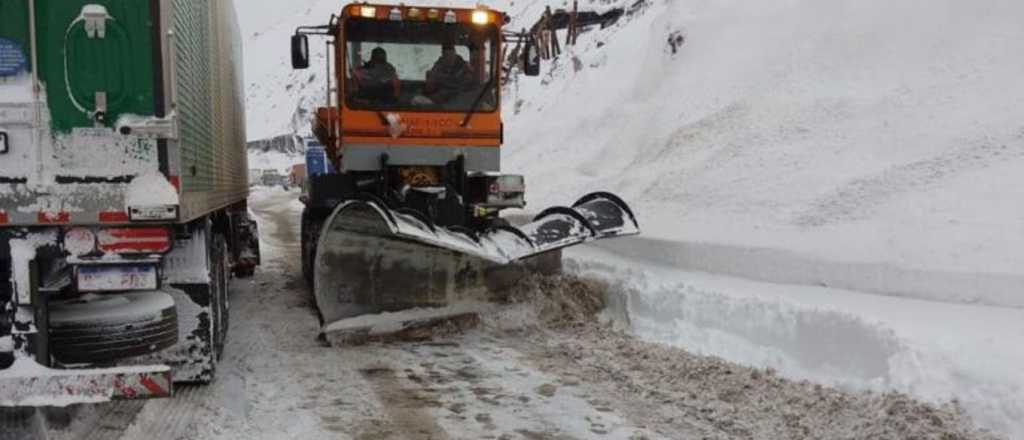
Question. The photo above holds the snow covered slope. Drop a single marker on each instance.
(851, 130)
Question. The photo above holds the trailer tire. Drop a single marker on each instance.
(220, 277)
(106, 328)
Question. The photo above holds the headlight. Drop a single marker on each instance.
(481, 17)
(368, 11)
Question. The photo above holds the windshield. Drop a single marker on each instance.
(424, 66)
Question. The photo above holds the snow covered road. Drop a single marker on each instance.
(536, 369)
(277, 381)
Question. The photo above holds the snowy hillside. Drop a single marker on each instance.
(858, 131)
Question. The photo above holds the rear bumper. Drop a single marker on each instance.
(27, 383)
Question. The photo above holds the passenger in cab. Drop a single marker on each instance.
(450, 76)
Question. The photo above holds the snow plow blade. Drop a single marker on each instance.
(29, 384)
(371, 259)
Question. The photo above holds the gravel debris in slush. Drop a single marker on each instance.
(725, 400)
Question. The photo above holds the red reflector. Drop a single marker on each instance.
(176, 183)
(134, 240)
(53, 218)
(113, 217)
(3, 218)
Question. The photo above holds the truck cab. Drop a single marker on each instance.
(413, 110)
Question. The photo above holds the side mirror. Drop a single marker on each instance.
(300, 51)
(531, 59)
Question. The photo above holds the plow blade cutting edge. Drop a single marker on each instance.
(372, 259)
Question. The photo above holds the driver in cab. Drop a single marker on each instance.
(377, 80)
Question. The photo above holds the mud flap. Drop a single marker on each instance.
(371, 259)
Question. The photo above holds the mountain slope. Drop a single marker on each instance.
(855, 131)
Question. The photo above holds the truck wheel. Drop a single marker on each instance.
(219, 280)
(105, 328)
(311, 225)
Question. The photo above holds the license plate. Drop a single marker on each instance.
(92, 132)
(116, 278)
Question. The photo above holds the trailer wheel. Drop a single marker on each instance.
(219, 280)
(105, 328)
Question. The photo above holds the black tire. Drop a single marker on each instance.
(106, 328)
(219, 280)
(311, 225)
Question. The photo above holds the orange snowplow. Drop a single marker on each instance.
(408, 212)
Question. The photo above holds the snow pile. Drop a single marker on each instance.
(852, 131)
(731, 401)
(935, 351)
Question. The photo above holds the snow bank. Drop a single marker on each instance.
(934, 351)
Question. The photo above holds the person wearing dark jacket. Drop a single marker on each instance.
(377, 80)
(450, 76)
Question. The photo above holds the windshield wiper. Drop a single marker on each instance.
(476, 102)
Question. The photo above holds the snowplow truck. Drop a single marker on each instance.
(123, 195)
(403, 205)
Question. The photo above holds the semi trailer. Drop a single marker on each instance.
(123, 196)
